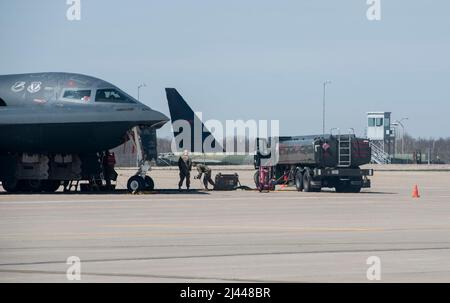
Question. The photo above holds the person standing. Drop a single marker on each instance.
(203, 169)
(185, 167)
(109, 174)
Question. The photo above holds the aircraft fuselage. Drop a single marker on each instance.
(59, 127)
(66, 113)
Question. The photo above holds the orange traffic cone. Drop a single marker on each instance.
(415, 193)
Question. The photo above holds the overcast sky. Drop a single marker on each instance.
(257, 59)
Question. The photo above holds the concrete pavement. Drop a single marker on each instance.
(198, 236)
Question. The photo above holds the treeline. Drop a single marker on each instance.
(163, 145)
(439, 149)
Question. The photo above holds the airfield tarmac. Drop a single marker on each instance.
(240, 236)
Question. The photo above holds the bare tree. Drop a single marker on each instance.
(439, 149)
(164, 145)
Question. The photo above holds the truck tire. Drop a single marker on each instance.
(256, 179)
(307, 182)
(299, 180)
(354, 189)
(345, 187)
(341, 187)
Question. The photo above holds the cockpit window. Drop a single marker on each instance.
(80, 95)
(2, 103)
(111, 95)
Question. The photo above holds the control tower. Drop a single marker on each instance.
(381, 136)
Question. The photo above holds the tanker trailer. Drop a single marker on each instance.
(313, 162)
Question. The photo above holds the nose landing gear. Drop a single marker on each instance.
(140, 181)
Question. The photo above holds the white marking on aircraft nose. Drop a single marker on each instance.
(18, 86)
(34, 87)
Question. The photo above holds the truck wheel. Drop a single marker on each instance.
(347, 187)
(341, 187)
(256, 179)
(307, 182)
(299, 181)
(354, 189)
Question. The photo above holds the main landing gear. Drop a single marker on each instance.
(31, 186)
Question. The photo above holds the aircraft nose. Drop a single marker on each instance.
(153, 118)
(163, 119)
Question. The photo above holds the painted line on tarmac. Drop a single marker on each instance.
(148, 276)
(204, 231)
(182, 199)
(254, 227)
(130, 235)
(249, 254)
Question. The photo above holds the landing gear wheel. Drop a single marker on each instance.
(22, 186)
(33, 186)
(85, 187)
(299, 180)
(136, 184)
(50, 186)
(10, 186)
(149, 183)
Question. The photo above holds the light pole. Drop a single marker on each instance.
(403, 132)
(139, 88)
(432, 150)
(396, 125)
(323, 106)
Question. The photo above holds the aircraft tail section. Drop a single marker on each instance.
(199, 139)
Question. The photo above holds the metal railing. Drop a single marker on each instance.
(379, 156)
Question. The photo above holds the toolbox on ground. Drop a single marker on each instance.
(226, 181)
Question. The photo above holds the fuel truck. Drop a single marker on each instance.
(313, 162)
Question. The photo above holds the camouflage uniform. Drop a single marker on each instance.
(203, 169)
